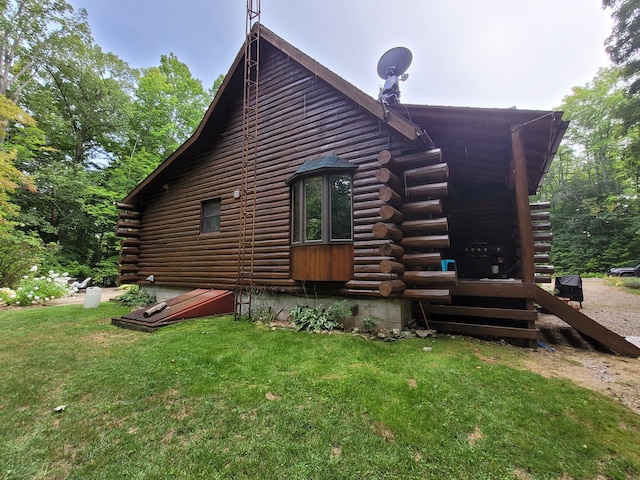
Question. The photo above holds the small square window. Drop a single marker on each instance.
(210, 216)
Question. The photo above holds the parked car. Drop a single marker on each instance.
(625, 271)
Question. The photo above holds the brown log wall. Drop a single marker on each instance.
(301, 118)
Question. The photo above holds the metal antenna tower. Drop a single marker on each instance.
(246, 238)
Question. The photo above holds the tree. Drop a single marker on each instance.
(10, 176)
(595, 209)
(623, 47)
(169, 104)
(31, 30)
(83, 102)
(594, 131)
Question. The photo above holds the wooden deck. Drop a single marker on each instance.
(494, 308)
(506, 309)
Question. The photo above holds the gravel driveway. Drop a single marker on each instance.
(614, 307)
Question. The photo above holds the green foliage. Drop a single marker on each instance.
(37, 290)
(11, 177)
(137, 297)
(18, 252)
(169, 105)
(370, 324)
(102, 127)
(105, 270)
(632, 283)
(32, 31)
(320, 318)
(592, 185)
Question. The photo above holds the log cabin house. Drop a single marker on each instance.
(411, 211)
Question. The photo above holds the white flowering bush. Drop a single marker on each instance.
(37, 290)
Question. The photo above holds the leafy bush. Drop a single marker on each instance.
(34, 290)
(137, 297)
(18, 251)
(319, 318)
(631, 282)
(106, 271)
(370, 324)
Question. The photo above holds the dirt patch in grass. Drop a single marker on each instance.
(614, 376)
(106, 338)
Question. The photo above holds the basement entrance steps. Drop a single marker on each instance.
(196, 303)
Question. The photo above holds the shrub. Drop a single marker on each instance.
(37, 290)
(18, 251)
(106, 272)
(137, 297)
(631, 282)
(319, 318)
(370, 324)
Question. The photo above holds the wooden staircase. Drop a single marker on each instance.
(586, 325)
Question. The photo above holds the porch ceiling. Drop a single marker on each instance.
(476, 142)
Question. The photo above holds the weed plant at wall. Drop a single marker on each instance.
(136, 297)
(37, 290)
(320, 318)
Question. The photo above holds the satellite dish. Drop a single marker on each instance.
(398, 58)
(392, 67)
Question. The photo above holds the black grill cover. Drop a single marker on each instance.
(569, 286)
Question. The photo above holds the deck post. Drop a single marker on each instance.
(527, 262)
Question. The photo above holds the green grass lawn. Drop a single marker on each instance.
(213, 398)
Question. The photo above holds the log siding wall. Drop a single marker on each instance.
(301, 118)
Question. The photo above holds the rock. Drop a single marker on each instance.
(395, 332)
(381, 336)
(425, 333)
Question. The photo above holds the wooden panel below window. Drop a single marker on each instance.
(328, 263)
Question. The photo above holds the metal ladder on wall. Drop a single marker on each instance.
(246, 238)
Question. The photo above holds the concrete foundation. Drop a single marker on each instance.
(387, 313)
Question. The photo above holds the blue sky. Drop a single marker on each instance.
(490, 53)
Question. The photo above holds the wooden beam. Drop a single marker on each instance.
(428, 241)
(439, 171)
(127, 233)
(522, 204)
(127, 206)
(421, 259)
(540, 206)
(387, 230)
(514, 289)
(390, 196)
(390, 214)
(428, 295)
(424, 207)
(129, 216)
(385, 176)
(429, 225)
(586, 325)
(391, 287)
(429, 277)
(386, 159)
(428, 190)
(388, 266)
(420, 158)
(483, 312)
(484, 330)
(391, 250)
